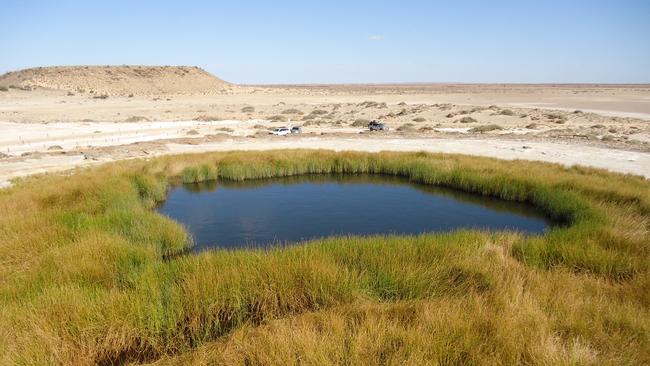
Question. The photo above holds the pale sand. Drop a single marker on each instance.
(610, 131)
(83, 144)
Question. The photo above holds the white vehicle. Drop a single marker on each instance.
(281, 131)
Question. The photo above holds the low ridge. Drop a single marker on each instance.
(117, 80)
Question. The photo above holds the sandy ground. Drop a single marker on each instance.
(599, 126)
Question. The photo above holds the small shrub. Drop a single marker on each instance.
(70, 94)
(277, 118)
(101, 96)
(532, 126)
(192, 132)
(451, 115)
(360, 122)
(485, 128)
(293, 111)
(318, 112)
(248, 109)
(4, 88)
(507, 112)
(208, 118)
(137, 119)
(468, 119)
(55, 147)
(419, 119)
(407, 127)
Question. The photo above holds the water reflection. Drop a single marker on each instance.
(291, 209)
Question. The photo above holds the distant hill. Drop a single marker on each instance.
(117, 80)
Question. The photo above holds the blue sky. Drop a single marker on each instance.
(340, 41)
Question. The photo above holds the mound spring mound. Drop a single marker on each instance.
(117, 80)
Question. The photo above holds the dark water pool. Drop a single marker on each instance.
(223, 214)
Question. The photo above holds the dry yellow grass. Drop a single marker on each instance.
(91, 274)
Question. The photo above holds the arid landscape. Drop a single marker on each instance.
(325, 183)
(57, 118)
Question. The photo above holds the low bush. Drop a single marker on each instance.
(208, 118)
(486, 128)
(468, 120)
(277, 118)
(293, 111)
(360, 122)
(407, 127)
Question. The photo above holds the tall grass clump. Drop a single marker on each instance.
(91, 274)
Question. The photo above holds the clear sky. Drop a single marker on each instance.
(340, 41)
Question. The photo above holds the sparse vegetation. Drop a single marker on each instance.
(208, 118)
(137, 119)
(419, 119)
(486, 128)
(532, 126)
(556, 118)
(4, 88)
(293, 111)
(318, 112)
(360, 122)
(100, 96)
(468, 119)
(91, 275)
(277, 118)
(507, 112)
(55, 147)
(407, 127)
(372, 104)
(192, 132)
(248, 109)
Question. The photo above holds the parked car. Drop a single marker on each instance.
(281, 131)
(296, 129)
(377, 126)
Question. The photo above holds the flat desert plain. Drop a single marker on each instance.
(59, 118)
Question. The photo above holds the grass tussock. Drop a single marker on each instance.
(91, 274)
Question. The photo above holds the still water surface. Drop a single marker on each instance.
(225, 214)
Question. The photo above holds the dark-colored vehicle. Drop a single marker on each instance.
(296, 129)
(377, 126)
